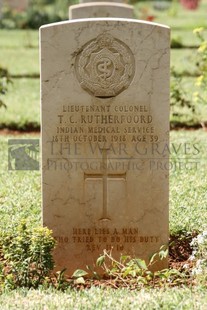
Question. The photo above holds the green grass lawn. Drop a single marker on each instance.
(187, 37)
(105, 299)
(20, 192)
(188, 181)
(20, 60)
(23, 105)
(19, 38)
(184, 61)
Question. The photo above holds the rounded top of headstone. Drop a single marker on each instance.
(120, 1)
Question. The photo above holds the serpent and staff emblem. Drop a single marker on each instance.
(105, 66)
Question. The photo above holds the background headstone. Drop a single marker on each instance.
(105, 131)
(101, 9)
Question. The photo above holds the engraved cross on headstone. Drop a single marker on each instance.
(105, 175)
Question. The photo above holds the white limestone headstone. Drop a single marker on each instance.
(101, 9)
(105, 131)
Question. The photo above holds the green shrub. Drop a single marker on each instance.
(199, 256)
(26, 256)
(4, 81)
(39, 12)
(37, 18)
(34, 18)
(132, 273)
(176, 42)
(201, 63)
(178, 96)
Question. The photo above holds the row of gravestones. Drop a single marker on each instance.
(105, 131)
(97, 8)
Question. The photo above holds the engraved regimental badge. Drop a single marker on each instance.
(105, 66)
